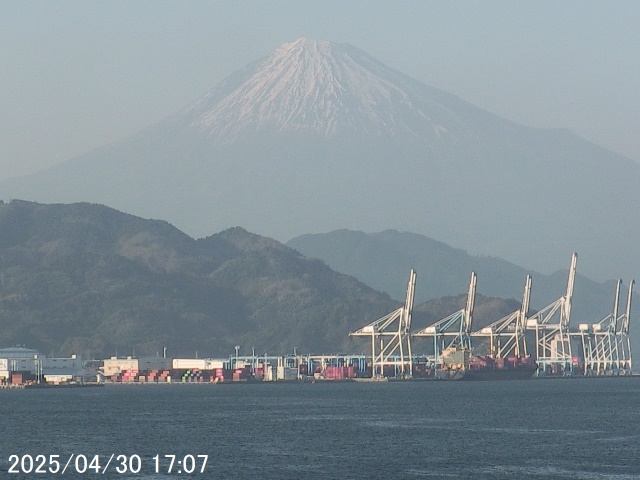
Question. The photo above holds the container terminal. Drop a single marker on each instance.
(517, 346)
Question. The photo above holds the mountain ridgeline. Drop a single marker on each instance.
(87, 279)
(382, 259)
(319, 136)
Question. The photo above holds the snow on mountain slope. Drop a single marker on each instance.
(327, 88)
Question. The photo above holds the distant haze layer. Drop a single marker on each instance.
(320, 136)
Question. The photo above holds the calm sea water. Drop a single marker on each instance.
(542, 429)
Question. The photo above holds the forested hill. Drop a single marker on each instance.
(84, 278)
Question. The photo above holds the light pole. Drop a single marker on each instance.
(296, 363)
(254, 363)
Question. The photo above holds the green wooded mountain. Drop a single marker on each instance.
(84, 278)
(87, 279)
(381, 259)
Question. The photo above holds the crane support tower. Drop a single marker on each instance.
(551, 326)
(390, 338)
(606, 345)
(623, 340)
(507, 335)
(599, 342)
(453, 331)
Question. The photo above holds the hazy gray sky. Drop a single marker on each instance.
(75, 75)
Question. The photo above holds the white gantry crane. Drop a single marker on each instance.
(390, 339)
(506, 336)
(623, 342)
(606, 345)
(599, 342)
(454, 330)
(551, 326)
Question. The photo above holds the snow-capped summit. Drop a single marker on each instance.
(322, 87)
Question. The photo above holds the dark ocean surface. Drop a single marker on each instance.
(540, 429)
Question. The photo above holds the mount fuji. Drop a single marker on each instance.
(320, 136)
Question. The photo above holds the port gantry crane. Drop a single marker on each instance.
(606, 346)
(453, 331)
(553, 339)
(507, 335)
(623, 340)
(390, 339)
(599, 342)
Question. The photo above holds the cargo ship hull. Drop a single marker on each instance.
(502, 374)
(512, 368)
